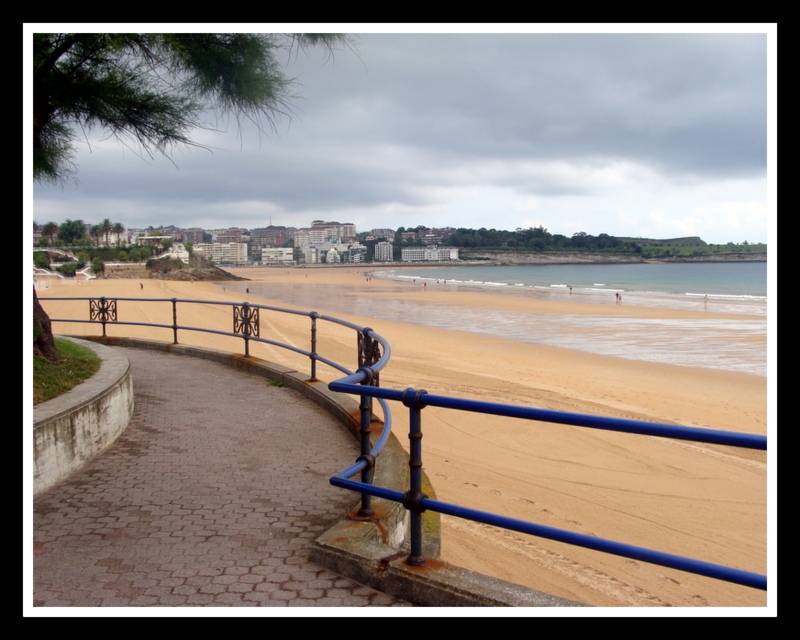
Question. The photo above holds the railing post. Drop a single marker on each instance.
(313, 355)
(365, 432)
(368, 354)
(413, 497)
(246, 333)
(174, 321)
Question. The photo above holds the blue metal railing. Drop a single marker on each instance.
(373, 355)
(417, 502)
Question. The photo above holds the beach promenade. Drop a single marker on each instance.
(210, 498)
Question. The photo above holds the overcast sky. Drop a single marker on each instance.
(631, 134)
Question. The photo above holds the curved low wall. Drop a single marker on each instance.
(71, 429)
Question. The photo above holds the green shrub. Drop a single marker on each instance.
(68, 269)
(41, 260)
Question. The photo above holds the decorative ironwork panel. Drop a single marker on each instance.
(103, 310)
(369, 352)
(246, 321)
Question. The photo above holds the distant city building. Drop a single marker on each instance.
(333, 256)
(435, 236)
(357, 253)
(283, 255)
(448, 253)
(228, 235)
(384, 251)
(195, 236)
(428, 236)
(311, 255)
(325, 232)
(383, 233)
(346, 232)
(227, 253)
(430, 253)
(272, 236)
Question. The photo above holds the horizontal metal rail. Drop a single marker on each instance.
(720, 572)
(676, 432)
(374, 355)
(416, 502)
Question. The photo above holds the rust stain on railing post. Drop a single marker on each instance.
(369, 352)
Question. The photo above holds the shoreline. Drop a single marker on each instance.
(701, 501)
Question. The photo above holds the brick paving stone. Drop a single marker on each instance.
(211, 497)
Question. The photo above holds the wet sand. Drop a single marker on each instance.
(702, 501)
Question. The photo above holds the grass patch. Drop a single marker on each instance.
(276, 383)
(51, 379)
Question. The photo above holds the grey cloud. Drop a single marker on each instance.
(410, 113)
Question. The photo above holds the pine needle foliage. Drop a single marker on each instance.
(150, 91)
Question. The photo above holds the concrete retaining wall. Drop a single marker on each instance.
(71, 429)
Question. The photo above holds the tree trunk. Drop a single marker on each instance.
(43, 342)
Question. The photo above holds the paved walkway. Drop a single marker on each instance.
(211, 497)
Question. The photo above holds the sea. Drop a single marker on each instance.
(735, 341)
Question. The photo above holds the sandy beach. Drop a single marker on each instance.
(702, 501)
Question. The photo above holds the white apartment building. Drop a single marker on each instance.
(283, 255)
(431, 253)
(228, 253)
(384, 251)
(325, 232)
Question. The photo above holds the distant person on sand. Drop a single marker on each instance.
(141, 286)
